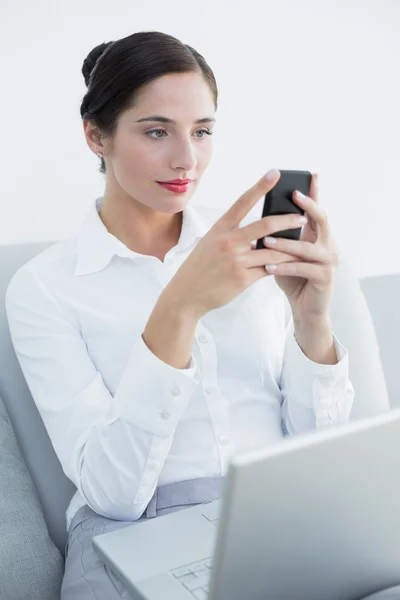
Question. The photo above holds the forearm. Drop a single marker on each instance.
(316, 340)
(170, 330)
(316, 393)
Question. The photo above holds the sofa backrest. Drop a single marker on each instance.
(383, 297)
(354, 326)
(54, 489)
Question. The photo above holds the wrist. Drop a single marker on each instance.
(315, 339)
(178, 303)
(169, 333)
(320, 323)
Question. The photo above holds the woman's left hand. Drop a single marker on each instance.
(308, 281)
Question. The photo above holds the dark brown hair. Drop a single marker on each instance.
(114, 71)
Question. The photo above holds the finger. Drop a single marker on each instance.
(305, 250)
(236, 213)
(314, 211)
(256, 273)
(260, 258)
(314, 188)
(269, 225)
(314, 272)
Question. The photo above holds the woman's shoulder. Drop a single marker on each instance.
(46, 260)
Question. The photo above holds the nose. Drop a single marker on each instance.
(184, 155)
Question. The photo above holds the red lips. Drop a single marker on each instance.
(177, 181)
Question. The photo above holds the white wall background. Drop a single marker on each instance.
(303, 85)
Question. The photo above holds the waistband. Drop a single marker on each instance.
(169, 496)
(182, 493)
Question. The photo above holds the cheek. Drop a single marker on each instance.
(204, 156)
(140, 158)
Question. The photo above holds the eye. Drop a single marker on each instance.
(149, 133)
(205, 130)
(155, 131)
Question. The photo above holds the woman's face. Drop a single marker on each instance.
(151, 151)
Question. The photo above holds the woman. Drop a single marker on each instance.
(153, 341)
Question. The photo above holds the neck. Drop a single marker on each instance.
(140, 228)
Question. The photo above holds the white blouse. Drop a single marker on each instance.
(121, 420)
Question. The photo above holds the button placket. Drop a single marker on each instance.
(218, 406)
(225, 448)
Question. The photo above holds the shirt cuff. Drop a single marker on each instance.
(323, 388)
(152, 394)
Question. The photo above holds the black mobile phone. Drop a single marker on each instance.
(278, 201)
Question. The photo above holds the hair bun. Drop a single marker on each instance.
(91, 59)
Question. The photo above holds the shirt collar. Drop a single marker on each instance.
(96, 245)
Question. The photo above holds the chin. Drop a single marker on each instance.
(173, 206)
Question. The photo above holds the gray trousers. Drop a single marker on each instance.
(87, 578)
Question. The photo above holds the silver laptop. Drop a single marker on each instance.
(315, 517)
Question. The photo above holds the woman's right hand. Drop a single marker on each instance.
(224, 262)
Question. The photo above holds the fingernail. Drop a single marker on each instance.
(303, 220)
(316, 178)
(270, 268)
(299, 195)
(270, 240)
(272, 174)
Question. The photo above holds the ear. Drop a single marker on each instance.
(92, 136)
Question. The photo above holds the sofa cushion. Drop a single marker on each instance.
(30, 564)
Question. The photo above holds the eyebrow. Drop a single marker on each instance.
(165, 120)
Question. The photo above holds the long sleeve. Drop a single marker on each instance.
(112, 448)
(314, 396)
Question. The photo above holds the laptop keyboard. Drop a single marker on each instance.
(195, 577)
